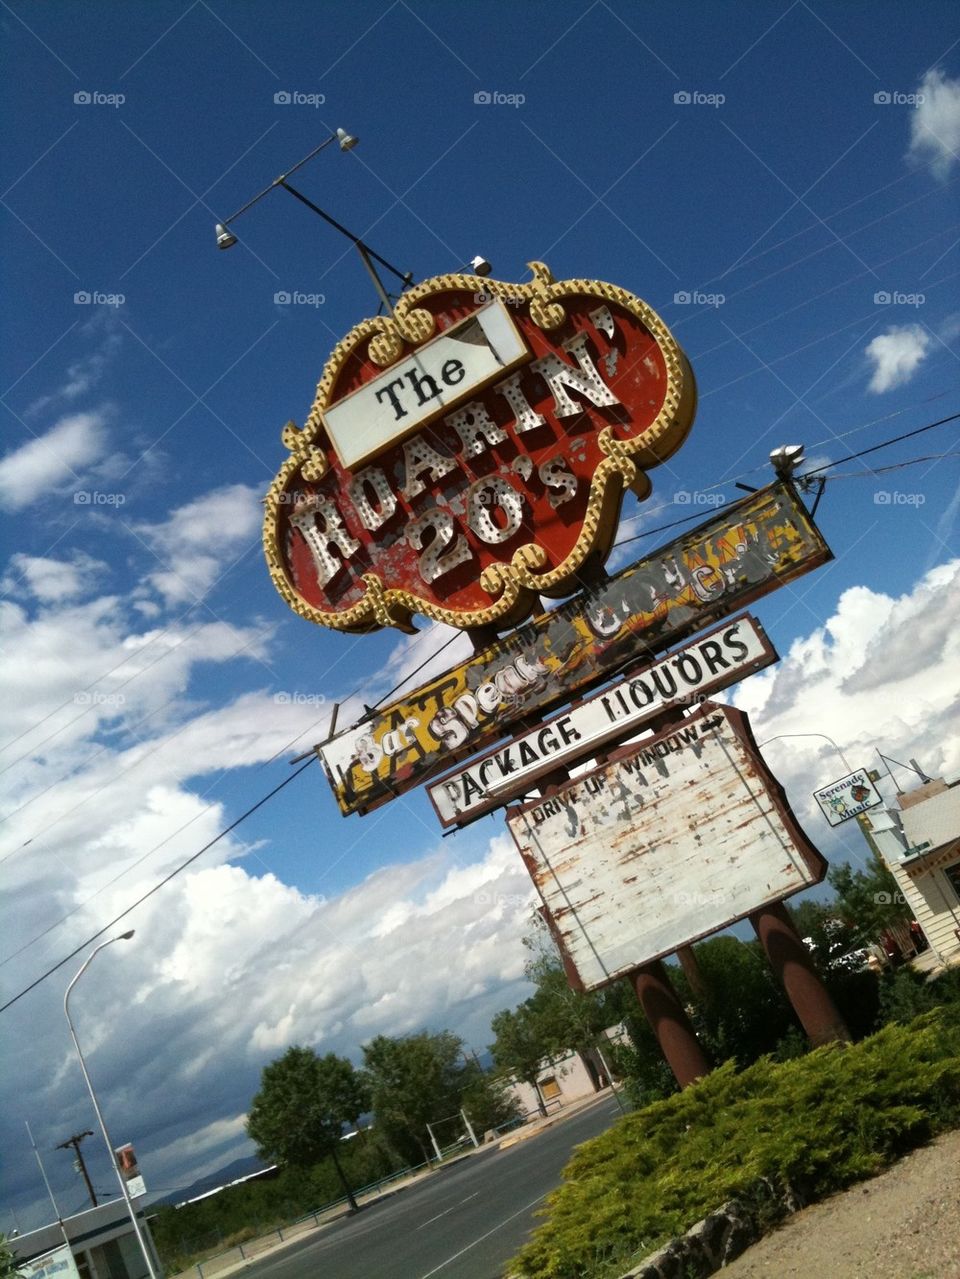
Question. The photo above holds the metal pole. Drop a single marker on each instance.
(473, 1135)
(435, 1146)
(377, 282)
(793, 965)
(43, 1174)
(606, 1071)
(671, 1025)
(73, 1143)
(404, 277)
(691, 970)
(148, 1261)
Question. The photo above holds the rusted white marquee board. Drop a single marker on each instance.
(676, 838)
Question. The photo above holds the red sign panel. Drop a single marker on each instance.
(468, 453)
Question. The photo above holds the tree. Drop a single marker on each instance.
(8, 1263)
(298, 1115)
(486, 1100)
(555, 1019)
(414, 1081)
(743, 1012)
(869, 900)
(521, 1043)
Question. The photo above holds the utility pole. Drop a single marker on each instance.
(73, 1143)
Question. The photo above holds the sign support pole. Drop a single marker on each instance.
(671, 1025)
(691, 970)
(794, 967)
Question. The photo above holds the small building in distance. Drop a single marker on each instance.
(102, 1240)
(920, 842)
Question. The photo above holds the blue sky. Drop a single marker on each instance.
(157, 684)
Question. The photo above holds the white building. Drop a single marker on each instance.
(569, 1077)
(102, 1240)
(920, 842)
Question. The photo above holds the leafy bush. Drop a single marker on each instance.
(818, 1122)
(906, 994)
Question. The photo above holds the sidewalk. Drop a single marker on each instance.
(234, 1260)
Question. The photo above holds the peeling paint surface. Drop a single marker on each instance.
(678, 837)
(738, 555)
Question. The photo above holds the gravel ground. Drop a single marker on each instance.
(904, 1224)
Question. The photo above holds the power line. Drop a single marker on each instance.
(160, 884)
(884, 444)
(662, 528)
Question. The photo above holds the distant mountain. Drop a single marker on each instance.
(222, 1177)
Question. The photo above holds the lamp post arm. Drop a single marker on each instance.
(404, 278)
(279, 181)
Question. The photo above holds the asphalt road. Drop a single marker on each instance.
(465, 1223)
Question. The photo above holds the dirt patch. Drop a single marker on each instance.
(900, 1225)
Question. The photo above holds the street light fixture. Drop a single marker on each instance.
(151, 1271)
(346, 142)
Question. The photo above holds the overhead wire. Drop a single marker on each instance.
(156, 887)
(645, 533)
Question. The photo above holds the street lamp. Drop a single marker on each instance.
(96, 1105)
(780, 736)
(346, 142)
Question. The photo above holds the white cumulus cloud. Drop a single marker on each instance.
(48, 579)
(896, 355)
(51, 462)
(935, 123)
(200, 539)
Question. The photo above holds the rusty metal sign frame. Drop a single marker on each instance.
(624, 726)
(693, 729)
(745, 551)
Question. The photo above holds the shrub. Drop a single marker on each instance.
(817, 1123)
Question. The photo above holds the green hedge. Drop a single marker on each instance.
(819, 1122)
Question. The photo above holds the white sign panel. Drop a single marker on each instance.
(847, 797)
(685, 677)
(58, 1264)
(434, 378)
(682, 835)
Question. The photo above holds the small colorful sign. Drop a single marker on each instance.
(469, 452)
(130, 1170)
(741, 553)
(683, 678)
(678, 836)
(848, 797)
